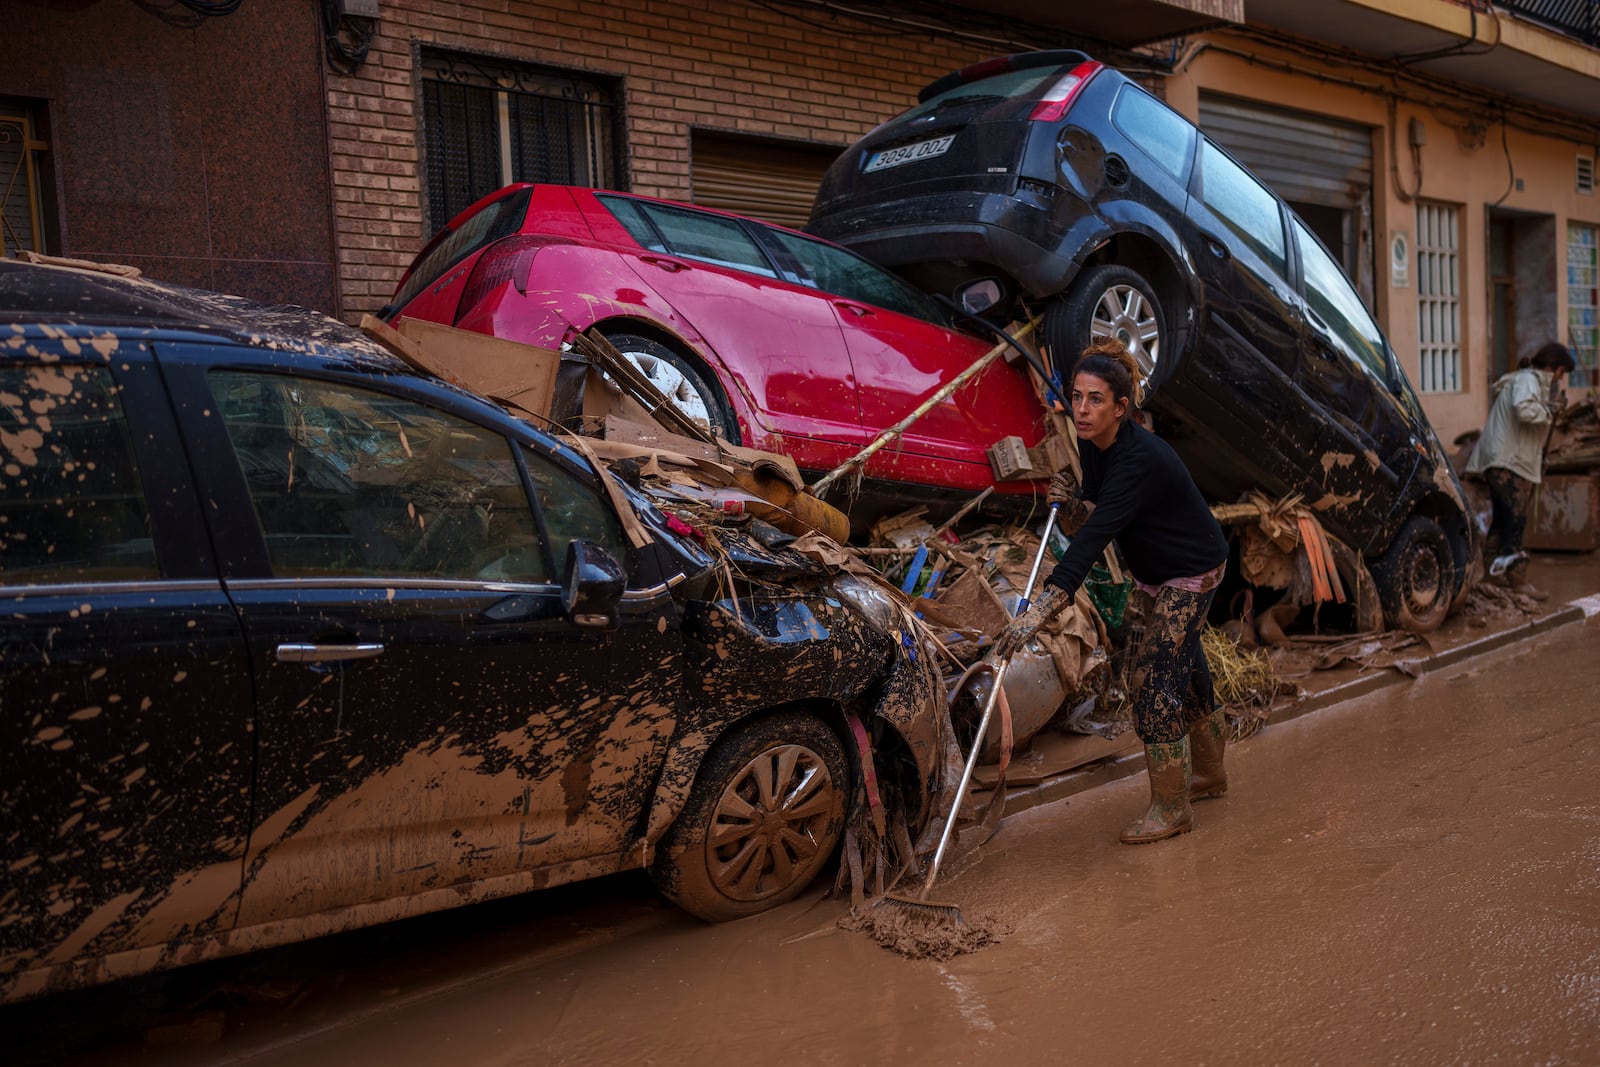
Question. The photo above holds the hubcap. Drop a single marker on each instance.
(769, 823)
(1426, 580)
(674, 385)
(1124, 313)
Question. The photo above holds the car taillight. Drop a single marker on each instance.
(504, 261)
(1058, 98)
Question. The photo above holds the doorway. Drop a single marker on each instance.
(1522, 287)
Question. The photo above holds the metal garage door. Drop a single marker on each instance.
(1323, 167)
(775, 183)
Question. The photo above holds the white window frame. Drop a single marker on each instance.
(1438, 297)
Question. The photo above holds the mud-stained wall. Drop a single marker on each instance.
(193, 148)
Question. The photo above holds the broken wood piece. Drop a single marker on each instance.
(603, 354)
(1236, 514)
(403, 347)
(1008, 458)
(965, 510)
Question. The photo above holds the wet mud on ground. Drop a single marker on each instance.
(1410, 877)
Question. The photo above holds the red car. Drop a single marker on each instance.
(776, 339)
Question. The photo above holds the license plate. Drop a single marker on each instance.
(910, 153)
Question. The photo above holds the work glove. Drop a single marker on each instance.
(1064, 486)
(1050, 602)
(1074, 512)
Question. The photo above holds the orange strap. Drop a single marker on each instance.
(1325, 583)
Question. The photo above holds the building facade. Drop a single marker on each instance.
(305, 149)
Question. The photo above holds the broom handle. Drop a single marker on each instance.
(1038, 559)
(983, 723)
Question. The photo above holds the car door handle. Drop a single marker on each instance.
(671, 266)
(326, 653)
(1218, 248)
(855, 309)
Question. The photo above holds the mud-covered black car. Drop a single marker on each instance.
(297, 640)
(1050, 179)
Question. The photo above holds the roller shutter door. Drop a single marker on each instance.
(774, 183)
(1306, 158)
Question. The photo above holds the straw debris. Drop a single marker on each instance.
(1244, 680)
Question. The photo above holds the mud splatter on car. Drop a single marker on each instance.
(298, 640)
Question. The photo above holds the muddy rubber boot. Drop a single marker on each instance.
(1169, 813)
(1207, 740)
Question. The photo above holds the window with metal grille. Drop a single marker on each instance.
(21, 203)
(1583, 300)
(1438, 297)
(488, 123)
(1586, 175)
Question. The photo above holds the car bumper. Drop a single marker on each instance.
(1016, 234)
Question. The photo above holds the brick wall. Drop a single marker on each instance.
(741, 67)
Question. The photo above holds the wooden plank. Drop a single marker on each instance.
(1053, 754)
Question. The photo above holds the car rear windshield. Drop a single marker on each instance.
(843, 273)
(449, 247)
(1025, 85)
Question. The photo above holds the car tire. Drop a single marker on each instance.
(691, 387)
(765, 815)
(1416, 577)
(1109, 300)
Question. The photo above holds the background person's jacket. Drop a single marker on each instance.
(1515, 431)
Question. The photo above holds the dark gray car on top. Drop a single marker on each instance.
(1050, 180)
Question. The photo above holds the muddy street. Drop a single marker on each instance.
(1406, 878)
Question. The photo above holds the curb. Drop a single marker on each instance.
(1112, 769)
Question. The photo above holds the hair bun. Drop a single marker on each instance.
(1112, 348)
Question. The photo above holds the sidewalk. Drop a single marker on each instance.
(1059, 765)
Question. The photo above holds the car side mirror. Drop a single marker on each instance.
(591, 586)
(979, 296)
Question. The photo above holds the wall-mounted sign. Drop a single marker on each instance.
(1400, 260)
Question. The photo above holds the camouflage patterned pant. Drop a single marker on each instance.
(1171, 680)
(1509, 494)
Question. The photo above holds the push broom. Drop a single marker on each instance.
(919, 907)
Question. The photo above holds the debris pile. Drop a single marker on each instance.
(1575, 440)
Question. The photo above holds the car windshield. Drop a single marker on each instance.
(499, 219)
(1020, 84)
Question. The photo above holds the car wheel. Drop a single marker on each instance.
(765, 815)
(688, 385)
(1416, 577)
(1108, 301)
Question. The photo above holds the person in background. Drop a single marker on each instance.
(1135, 489)
(1510, 456)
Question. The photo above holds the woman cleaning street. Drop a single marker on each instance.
(1135, 489)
